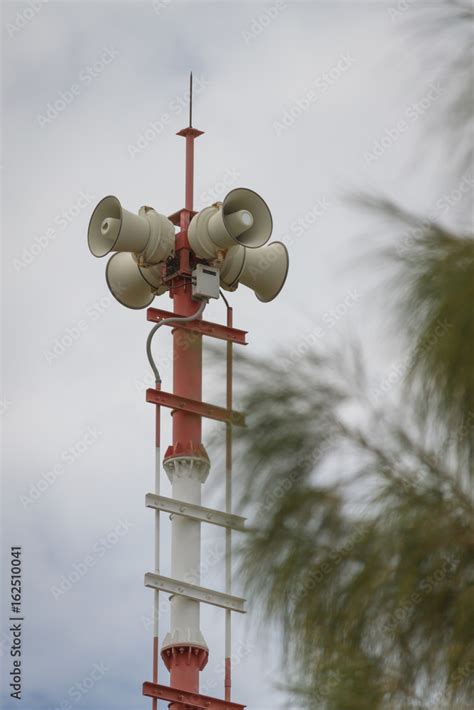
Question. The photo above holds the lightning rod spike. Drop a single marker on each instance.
(190, 99)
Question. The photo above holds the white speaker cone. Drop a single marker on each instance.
(110, 228)
(238, 222)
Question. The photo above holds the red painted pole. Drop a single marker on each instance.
(189, 199)
(190, 134)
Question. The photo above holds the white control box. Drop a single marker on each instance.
(206, 281)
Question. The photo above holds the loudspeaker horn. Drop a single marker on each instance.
(112, 228)
(132, 285)
(264, 270)
(243, 218)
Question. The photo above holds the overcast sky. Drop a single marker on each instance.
(303, 102)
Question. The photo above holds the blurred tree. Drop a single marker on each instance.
(363, 545)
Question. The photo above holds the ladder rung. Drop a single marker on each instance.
(193, 406)
(195, 512)
(194, 591)
(204, 327)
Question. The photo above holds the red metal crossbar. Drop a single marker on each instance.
(188, 699)
(193, 406)
(214, 330)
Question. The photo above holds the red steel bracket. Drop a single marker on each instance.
(175, 218)
(187, 698)
(214, 330)
(211, 411)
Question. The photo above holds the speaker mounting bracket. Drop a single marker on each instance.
(176, 217)
(212, 330)
(193, 406)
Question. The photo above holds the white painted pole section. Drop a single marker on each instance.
(228, 508)
(156, 610)
(186, 555)
(187, 474)
(228, 570)
(156, 595)
(228, 584)
(228, 545)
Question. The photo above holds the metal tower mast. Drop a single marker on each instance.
(222, 246)
(184, 651)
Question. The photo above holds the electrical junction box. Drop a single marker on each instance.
(206, 281)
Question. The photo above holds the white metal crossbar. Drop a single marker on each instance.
(196, 512)
(194, 591)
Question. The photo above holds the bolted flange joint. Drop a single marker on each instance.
(183, 655)
(186, 467)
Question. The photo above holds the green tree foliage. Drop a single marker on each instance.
(363, 545)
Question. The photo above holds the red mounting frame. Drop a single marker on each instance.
(193, 406)
(214, 330)
(176, 217)
(187, 698)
